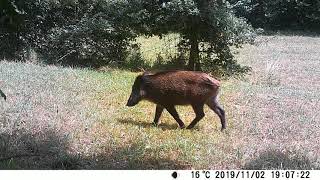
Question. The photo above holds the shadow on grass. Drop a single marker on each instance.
(45, 150)
(274, 159)
(163, 126)
(137, 156)
(51, 151)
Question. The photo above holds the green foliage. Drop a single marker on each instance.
(208, 23)
(10, 16)
(98, 32)
(74, 32)
(10, 23)
(92, 41)
(91, 36)
(280, 14)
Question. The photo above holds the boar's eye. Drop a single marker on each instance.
(136, 84)
(139, 79)
(145, 80)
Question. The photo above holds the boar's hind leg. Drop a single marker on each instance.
(198, 109)
(172, 110)
(214, 105)
(157, 116)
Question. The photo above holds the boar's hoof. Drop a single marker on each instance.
(154, 124)
(182, 127)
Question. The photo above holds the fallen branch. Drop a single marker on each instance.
(72, 51)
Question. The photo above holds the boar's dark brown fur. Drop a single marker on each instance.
(169, 88)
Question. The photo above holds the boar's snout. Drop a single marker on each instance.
(133, 100)
(137, 92)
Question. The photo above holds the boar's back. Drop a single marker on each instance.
(180, 87)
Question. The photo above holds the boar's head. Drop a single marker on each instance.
(138, 91)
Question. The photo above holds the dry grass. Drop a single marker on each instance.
(278, 103)
(62, 118)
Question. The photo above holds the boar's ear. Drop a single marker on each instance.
(140, 80)
(139, 76)
(145, 79)
(146, 73)
(142, 70)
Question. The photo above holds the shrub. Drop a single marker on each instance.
(76, 32)
(280, 14)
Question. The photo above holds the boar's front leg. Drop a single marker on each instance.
(157, 116)
(172, 110)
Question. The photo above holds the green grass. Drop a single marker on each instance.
(64, 118)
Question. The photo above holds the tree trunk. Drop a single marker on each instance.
(194, 62)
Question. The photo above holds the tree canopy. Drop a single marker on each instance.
(208, 29)
(280, 14)
(97, 32)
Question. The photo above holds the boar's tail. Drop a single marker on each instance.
(211, 81)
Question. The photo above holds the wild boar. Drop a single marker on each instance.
(169, 88)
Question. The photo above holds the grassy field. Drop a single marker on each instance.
(64, 118)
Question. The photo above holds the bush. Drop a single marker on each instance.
(92, 42)
(74, 32)
(11, 41)
(280, 14)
